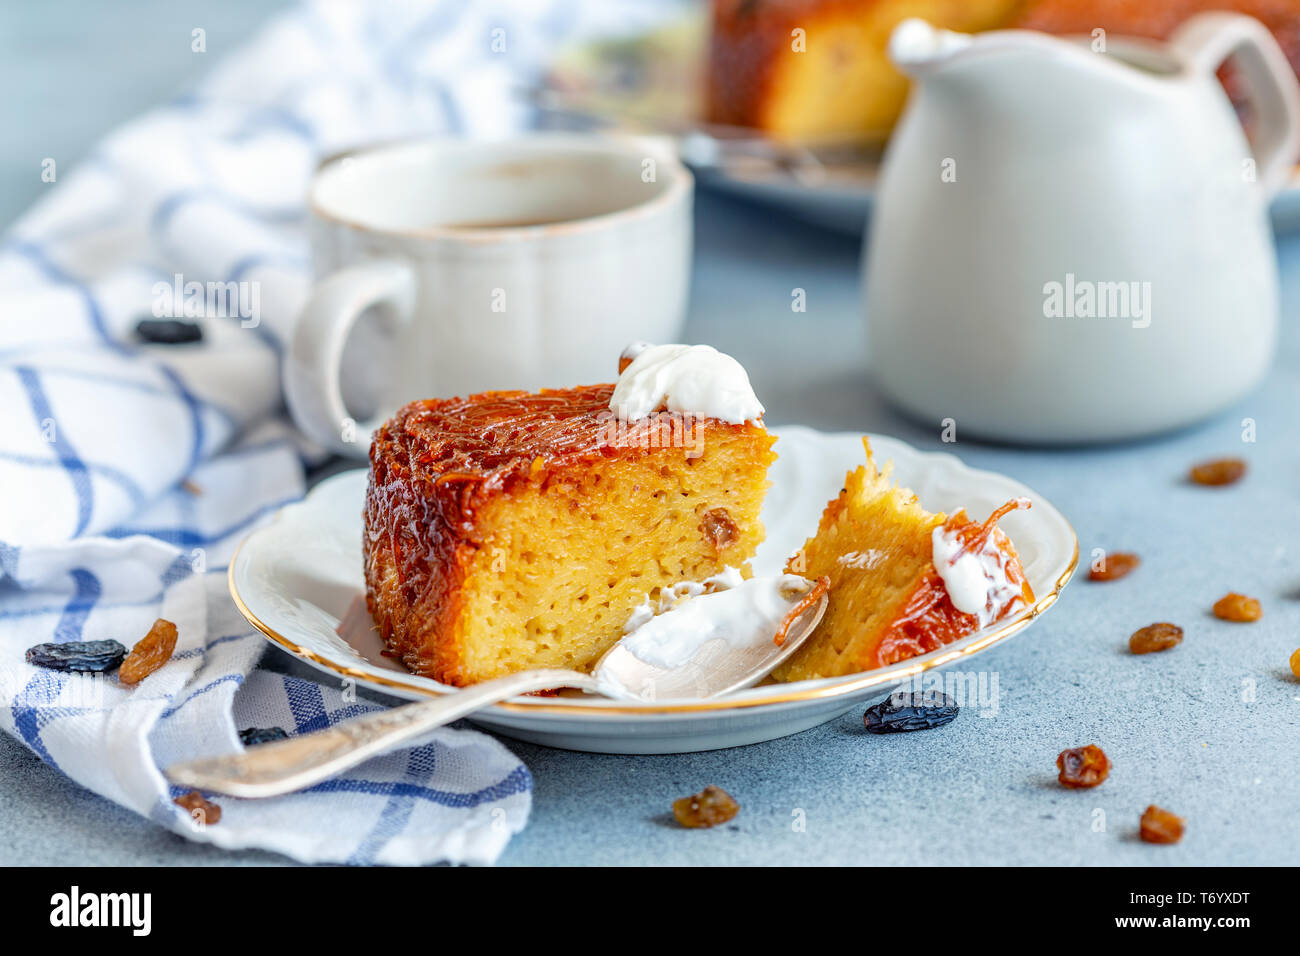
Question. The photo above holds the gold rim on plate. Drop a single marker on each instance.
(781, 693)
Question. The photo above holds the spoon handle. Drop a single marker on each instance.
(272, 769)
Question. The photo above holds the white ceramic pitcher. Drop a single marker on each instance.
(1071, 240)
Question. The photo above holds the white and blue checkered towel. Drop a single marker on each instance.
(129, 472)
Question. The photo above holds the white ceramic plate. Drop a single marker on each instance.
(299, 581)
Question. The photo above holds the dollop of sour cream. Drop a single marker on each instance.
(688, 379)
(976, 579)
(725, 607)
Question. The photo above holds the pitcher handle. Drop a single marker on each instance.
(1205, 41)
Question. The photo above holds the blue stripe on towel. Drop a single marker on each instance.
(196, 416)
(87, 591)
(235, 679)
(31, 709)
(108, 472)
(37, 255)
(394, 816)
(306, 704)
(517, 781)
(63, 449)
(189, 538)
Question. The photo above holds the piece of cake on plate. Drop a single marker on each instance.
(903, 581)
(514, 530)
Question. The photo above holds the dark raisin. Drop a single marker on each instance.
(168, 331)
(1082, 767)
(252, 736)
(96, 656)
(1155, 637)
(1114, 566)
(708, 808)
(200, 808)
(1160, 826)
(905, 712)
(150, 653)
(1221, 471)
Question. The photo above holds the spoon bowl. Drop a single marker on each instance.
(716, 667)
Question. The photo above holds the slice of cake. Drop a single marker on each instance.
(903, 581)
(816, 71)
(513, 530)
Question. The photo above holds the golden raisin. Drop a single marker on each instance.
(1238, 607)
(708, 808)
(202, 810)
(1155, 637)
(719, 528)
(1220, 471)
(1082, 767)
(150, 653)
(1295, 663)
(1160, 826)
(1114, 566)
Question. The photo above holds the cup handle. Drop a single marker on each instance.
(313, 363)
(1207, 40)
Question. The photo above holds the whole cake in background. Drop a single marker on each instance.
(830, 82)
(833, 82)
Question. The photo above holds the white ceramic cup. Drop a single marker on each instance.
(450, 267)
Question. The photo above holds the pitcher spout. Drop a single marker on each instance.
(917, 47)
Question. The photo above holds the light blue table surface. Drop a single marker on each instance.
(1181, 728)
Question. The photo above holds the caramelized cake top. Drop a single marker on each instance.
(492, 433)
(492, 436)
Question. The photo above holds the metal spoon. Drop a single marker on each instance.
(284, 766)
